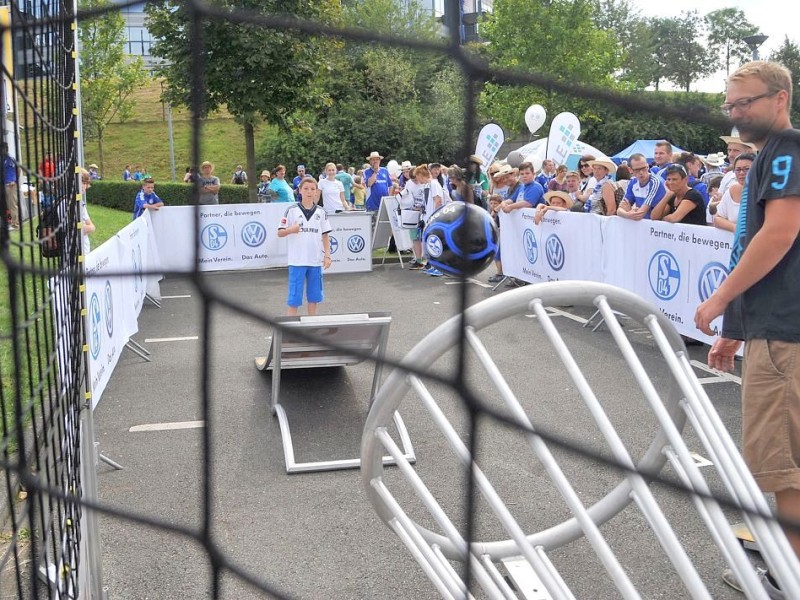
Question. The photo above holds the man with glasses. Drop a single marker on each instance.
(759, 297)
(644, 192)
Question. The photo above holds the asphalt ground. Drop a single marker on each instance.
(317, 535)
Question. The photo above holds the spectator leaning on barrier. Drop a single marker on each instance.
(727, 212)
(693, 166)
(555, 200)
(146, 199)
(209, 184)
(683, 204)
(587, 182)
(645, 192)
(735, 147)
(87, 226)
(602, 200)
(529, 195)
(713, 194)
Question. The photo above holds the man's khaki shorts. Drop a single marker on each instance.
(771, 413)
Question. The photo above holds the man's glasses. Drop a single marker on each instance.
(743, 104)
(640, 170)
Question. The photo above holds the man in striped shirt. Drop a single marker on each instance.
(644, 192)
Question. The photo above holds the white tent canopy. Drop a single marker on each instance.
(539, 148)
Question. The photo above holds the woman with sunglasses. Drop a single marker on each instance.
(588, 182)
(728, 208)
(682, 204)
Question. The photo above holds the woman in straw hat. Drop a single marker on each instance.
(602, 200)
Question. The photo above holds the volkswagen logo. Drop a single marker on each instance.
(109, 305)
(254, 234)
(95, 317)
(664, 274)
(554, 251)
(434, 246)
(214, 237)
(711, 277)
(355, 243)
(531, 248)
(334, 244)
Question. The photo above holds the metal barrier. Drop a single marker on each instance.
(528, 551)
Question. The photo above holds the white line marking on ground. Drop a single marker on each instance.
(568, 315)
(707, 369)
(707, 380)
(167, 426)
(187, 338)
(177, 296)
(700, 461)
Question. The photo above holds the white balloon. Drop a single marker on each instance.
(394, 168)
(535, 117)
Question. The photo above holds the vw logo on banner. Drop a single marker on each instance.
(664, 275)
(95, 317)
(334, 244)
(434, 246)
(109, 305)
(711, 277)
(355, 243)
(254, 234)
(214, 237)
(531, 248)
(554, 251)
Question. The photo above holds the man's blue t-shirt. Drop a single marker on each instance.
(141, 200)
(282, 189)
(9, 170)
(532, 192)
(648, 195)
(379, 189)
(347, 182)
(544, 180)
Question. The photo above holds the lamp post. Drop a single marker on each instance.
(753, 42)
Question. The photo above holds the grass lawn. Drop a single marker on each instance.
(144, 140)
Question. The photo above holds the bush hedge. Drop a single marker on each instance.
(120, 194)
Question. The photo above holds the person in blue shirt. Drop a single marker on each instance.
(301, 172)
(662, 157)
(644, 191)
(126, 174)
(548, 172)
(529, 194)
(146, 199)
(278, 185)
(10, 181)
(378, 181)
(693, 166)
(346, 180)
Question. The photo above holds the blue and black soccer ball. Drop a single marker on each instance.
(460, 239)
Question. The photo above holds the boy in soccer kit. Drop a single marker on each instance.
(307, 227)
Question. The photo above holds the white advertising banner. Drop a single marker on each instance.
(245, 236)
(107, 327)
(134, 250)
(564, 245)
(490, 139)
(673, 266)
(564, 132)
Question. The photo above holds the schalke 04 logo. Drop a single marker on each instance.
(334, 244)
(434, 246)
(554, 251)
(664, 275)
(95, 330)
(254, 234)
(531, 248)
(355, 243)
(711, 277)
(214, 237)
(109, 305)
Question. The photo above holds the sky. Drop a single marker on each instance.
(775, 18)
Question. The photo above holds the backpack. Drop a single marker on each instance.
(238, 178)
(50, 233)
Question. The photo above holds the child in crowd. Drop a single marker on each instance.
(495, 200)
(359, 192)
(307, 227)
(146, 199)
(555, 200)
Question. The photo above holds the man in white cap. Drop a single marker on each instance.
(378, 181)
(301, 172)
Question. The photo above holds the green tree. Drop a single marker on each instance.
(789, 56)
(682, 57)
(727, 28)
(257, 73)
(107, 77)
(542, 36)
